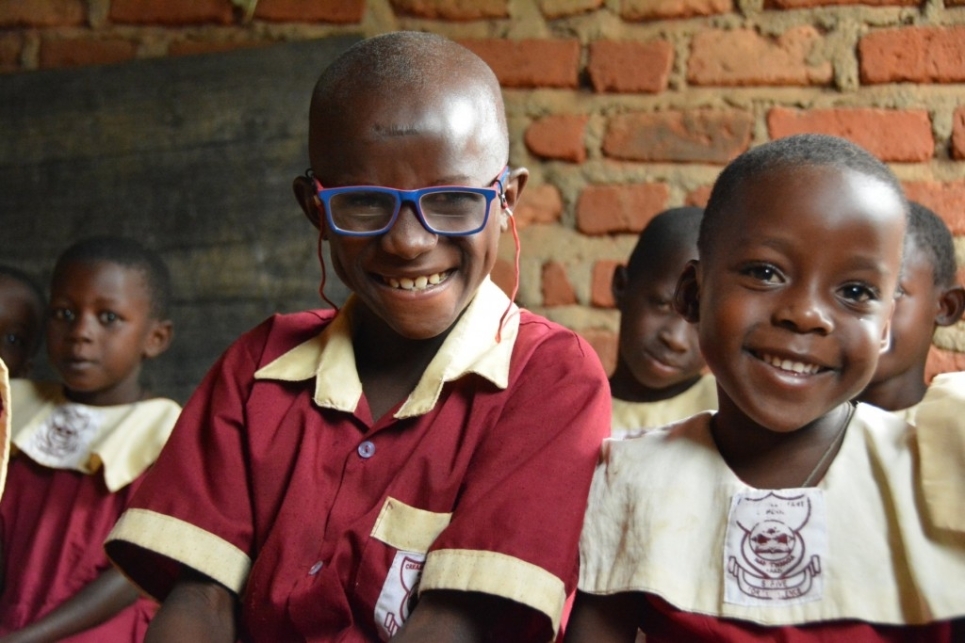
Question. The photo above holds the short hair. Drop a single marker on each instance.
(27, 280)
(666, 232)
(127, 253)
(36, 291)
(404, 60)
(928, 232)
(801, 150)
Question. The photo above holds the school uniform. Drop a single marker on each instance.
(74, 467)
(328, 523)
(631, 418)
(852, 559)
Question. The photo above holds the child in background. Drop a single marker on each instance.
(658, 376)
(928, 297)
(81, 447)
(397, 468)
(790, 514)
(22, 308)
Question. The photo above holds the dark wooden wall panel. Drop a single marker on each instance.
(193, 156)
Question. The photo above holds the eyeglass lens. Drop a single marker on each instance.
(445, 211)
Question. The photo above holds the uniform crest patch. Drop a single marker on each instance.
(775, 547)
(63, 440)
(399, 592)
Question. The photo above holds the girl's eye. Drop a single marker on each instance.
(858, 293)
(108, 317)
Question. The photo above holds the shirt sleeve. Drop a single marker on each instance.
(515, 529)
(202, 461)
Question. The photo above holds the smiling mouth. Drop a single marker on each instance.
(791, 366)
(422, 282)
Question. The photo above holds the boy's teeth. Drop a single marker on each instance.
(419, 283)
(787, 365)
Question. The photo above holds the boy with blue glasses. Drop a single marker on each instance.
(394, 469)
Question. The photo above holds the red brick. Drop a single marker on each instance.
(604, 342)
(49, 13)
(909, 135)
(914, 54)
(605, 209)
(452, 9)
(663, 9)
(698, 136)
(555, 285)
(530, 63)
(337, 11)
(539, 204)
(698, 198)
(946, 199)
(503, 275)
(559, 136)
(958, 132)
(11, 44)
(630, 66)
(601, 284)
(172, 12)
(561, 8)
(805, 4)
(192, 47)
(81, 52)
(943, 361)
(743, 57)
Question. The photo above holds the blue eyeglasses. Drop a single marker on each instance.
(446, 210)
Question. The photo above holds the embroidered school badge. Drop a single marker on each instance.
(398, 593)
(63, 440)
(775, 546)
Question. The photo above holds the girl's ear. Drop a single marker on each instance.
(951, 305)
(305, 195)
(159, 338)
(686, 298)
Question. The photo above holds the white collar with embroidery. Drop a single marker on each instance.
(470, 347)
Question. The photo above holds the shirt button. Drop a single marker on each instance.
(317, 567)
(366, 449)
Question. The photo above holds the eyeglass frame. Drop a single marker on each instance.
(410, 196)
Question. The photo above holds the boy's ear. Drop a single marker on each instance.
(951, 306)
(511, 191)
(618, 285)
(686, 298)
(159, 338)
(312, 207)
(885, 344)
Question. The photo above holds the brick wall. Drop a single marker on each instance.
(620, 108)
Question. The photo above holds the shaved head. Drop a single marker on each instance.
(407, 83)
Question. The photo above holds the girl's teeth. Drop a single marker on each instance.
(434, 279)
(406, 283)
(421, 282)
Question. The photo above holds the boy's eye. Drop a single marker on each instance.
(62, 314)
(858, 293)
(659, 303)
(13, 339)
(765, 273)
(108, 317)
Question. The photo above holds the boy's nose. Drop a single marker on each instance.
(804, 310)
(81, 327)
(675, 334)
(408, 238)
